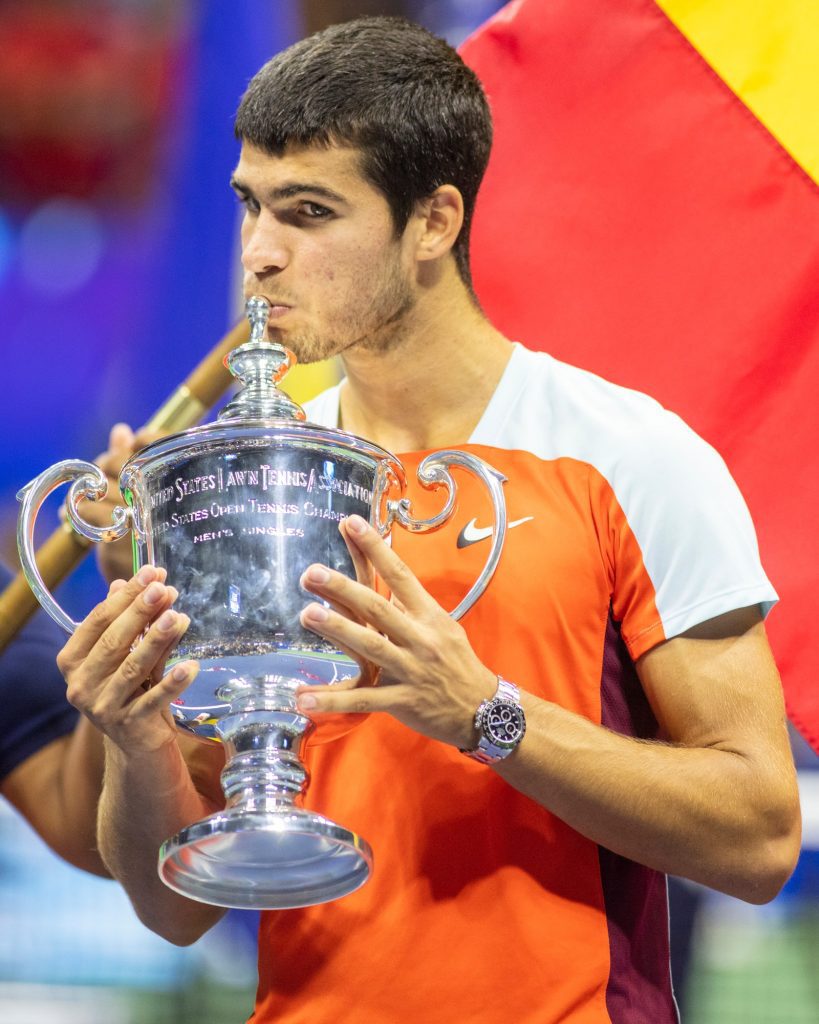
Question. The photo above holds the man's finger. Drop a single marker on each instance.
(123, 632)
(366, 607)
(356, 701)
(146, 703)
(121, 437)
(364, 572)
(120, 449)
(169, 688)
(120, 595)
(366, 671)
(395, 573)
(147, 656)
(146, 437)
(365, 644)
(173, 640)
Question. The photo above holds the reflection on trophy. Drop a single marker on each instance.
(235, 511)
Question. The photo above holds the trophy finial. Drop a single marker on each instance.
(259, 365)
(257, 310)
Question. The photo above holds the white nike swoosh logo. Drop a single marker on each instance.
(472, 533)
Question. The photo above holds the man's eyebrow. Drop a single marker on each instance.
(288, 191)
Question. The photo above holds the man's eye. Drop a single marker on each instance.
(314, 211)
(248, 202)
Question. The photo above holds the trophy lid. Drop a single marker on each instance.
(260, 365)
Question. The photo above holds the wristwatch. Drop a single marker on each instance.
(501, 724)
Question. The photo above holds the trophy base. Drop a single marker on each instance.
(263, 860)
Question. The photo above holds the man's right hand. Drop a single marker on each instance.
(115, 673)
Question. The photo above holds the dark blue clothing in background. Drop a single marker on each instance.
(32, 691)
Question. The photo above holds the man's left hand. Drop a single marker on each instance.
(428, 676)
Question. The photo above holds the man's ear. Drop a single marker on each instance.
(441, 217)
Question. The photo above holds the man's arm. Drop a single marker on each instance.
(150, 790)
(147, 798)
(715, 801)
(57, 788)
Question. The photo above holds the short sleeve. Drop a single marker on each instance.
(685, 548)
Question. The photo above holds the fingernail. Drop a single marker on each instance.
(154, 593)
(145, 575)
(317, 574)
(167, 620)
(306, 702)
(180, 673)
(184, 622)
(356, 524)
(174, 593)
(116, 586)
(316, 613)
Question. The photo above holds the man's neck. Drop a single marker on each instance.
(431, 389)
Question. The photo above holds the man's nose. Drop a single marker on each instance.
(263, 247)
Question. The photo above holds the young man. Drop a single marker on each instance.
(624, 621)
(50, 762)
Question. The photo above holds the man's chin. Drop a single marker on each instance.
(307, 351)
(300, 347)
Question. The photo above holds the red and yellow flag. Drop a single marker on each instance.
(651, 213)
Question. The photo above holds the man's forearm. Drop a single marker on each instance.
(145, 800)
(701, 813)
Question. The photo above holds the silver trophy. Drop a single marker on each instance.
(235, 511)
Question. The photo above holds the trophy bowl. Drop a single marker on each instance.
(235, 511)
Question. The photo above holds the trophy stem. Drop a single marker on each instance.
(264, 736)
(264, 851)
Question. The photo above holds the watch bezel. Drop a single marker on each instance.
(484, 726)
(491, 749)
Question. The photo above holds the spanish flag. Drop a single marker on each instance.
(651, 213)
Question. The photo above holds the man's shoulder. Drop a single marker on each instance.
(566, 410)
(585, 393)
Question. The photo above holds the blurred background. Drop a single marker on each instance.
(118, 272)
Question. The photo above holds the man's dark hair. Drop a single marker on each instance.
(389, 88)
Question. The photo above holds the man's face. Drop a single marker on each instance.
(318, 243)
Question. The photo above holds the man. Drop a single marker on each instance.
(50, 762)
(519, 871)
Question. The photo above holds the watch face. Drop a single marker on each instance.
(503, 722)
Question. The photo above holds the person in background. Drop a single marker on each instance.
(637, 724)
(51, 758)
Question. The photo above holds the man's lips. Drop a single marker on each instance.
(277, 307)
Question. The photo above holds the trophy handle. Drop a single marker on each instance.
(433, 472)
(89, 482)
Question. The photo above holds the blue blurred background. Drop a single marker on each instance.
(118, 272)
(117, 226)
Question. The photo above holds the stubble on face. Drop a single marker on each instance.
(377, 328)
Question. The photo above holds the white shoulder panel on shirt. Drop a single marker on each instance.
(684, 508)
(323, 409)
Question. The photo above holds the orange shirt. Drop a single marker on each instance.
(625, 529)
